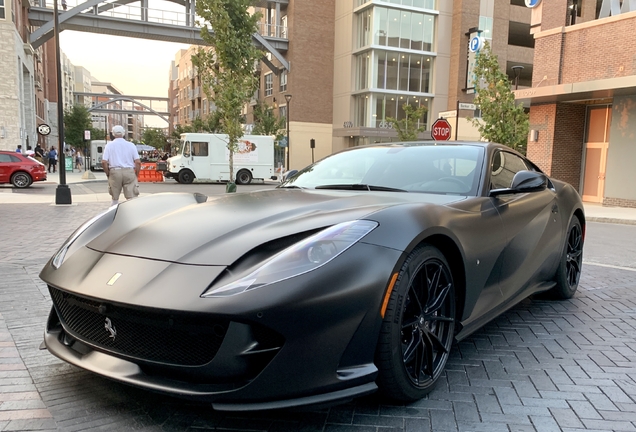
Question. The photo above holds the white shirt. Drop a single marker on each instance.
(120, 153)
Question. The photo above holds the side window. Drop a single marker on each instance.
(5, 158)
(186, 149)
(504, 167)
(199, 148)
(14, 158)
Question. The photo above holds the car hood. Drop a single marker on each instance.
(171, 227)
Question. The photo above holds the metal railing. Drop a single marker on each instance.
(272, 30)
(131, 12)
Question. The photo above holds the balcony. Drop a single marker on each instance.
(190, 94)
(197, 92)
(272, 30)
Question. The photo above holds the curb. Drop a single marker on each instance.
(611, 220)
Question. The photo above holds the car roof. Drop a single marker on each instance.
(483, 144)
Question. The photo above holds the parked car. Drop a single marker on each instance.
(358, 272)
(20, 170)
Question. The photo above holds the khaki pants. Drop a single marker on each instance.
(123, 179)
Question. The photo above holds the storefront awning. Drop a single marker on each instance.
(581, 91)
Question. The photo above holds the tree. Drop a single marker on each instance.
(266, 123)
(503, 121)
(154, 137)
(227, 70)
(77, 119)
(407, 128)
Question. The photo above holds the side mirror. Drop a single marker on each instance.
(524, 182)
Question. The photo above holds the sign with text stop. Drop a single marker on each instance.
(441, 130)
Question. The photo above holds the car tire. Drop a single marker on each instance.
(418, 328)
(186, 176)
(570, 264)
(21, 180)
(243, 177)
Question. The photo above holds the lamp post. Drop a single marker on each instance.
(288, 99)
(517, 70)
(62, 192)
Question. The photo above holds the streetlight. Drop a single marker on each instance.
(288, 99)
(517, 70)
(63, 192)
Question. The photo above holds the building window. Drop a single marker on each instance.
(282, 112)
(364, 26)
(269, 84)
(485, 25)
(403, 29)
(283, 81)
(400, 71)
(2, 13)
(373, 110)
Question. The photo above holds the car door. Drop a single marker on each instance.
(532, 226)
(5, 168)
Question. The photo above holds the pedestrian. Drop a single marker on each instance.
(78, 161)
(19, 149)
(39, 153)
(121, 165)
(64, 5)
(53, 159)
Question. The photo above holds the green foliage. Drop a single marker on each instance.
(266, 122)
(154, 137)
(178, 130)
(98, 134)
(227, 70)
(77, 119)
(504, 121)
(407, 128)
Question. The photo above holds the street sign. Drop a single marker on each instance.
(283, 142)
(44, 129)
(467, 106)
(87, 135)
(441, 130)
(447, 114)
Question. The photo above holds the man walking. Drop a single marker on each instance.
(121, 165)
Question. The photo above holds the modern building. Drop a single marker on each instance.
(353, 64)
(83, 80)
(583, 97)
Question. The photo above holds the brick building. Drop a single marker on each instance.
(583, 97)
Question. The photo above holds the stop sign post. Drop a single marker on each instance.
(441, 130)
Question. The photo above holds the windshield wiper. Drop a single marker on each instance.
(291, 187)
(366, 187)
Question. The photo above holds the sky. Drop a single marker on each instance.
(137, 67)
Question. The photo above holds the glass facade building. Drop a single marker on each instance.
(394, 59)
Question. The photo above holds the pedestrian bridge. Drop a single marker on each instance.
(171, 21)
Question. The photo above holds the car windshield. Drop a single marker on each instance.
(439, 169)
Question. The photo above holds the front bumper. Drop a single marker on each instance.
(328, 322)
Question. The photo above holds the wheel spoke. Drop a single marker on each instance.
(437, 344)
(411, 348)
(428, 351)
(412, 322)
(440, 318)
(435, 303)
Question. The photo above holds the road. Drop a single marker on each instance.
(542, 366)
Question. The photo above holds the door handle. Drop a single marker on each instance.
(555, 209)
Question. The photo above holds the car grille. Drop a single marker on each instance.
(157, 336)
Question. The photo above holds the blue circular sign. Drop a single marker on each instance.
(476, 43)
(532, 3)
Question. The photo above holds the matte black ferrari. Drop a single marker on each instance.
(357, 273)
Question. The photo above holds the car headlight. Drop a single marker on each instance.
(302, 257)
(105, 219)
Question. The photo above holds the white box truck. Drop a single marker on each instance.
(97, 151)
(203, 157)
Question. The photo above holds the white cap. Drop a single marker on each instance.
(119, 130)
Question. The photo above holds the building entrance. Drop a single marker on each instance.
(596, 146)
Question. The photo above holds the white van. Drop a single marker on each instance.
(97, 151)
(205, 157)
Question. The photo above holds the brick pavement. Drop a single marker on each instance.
(542, 366)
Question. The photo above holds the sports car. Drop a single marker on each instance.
(357, 273)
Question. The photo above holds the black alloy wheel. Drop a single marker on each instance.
(186, 176)
(418, 327)
(21, 180)
(569, 271)
(243, 177)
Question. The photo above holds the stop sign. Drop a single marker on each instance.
(441, 130)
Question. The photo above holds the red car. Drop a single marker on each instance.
(20, 170)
